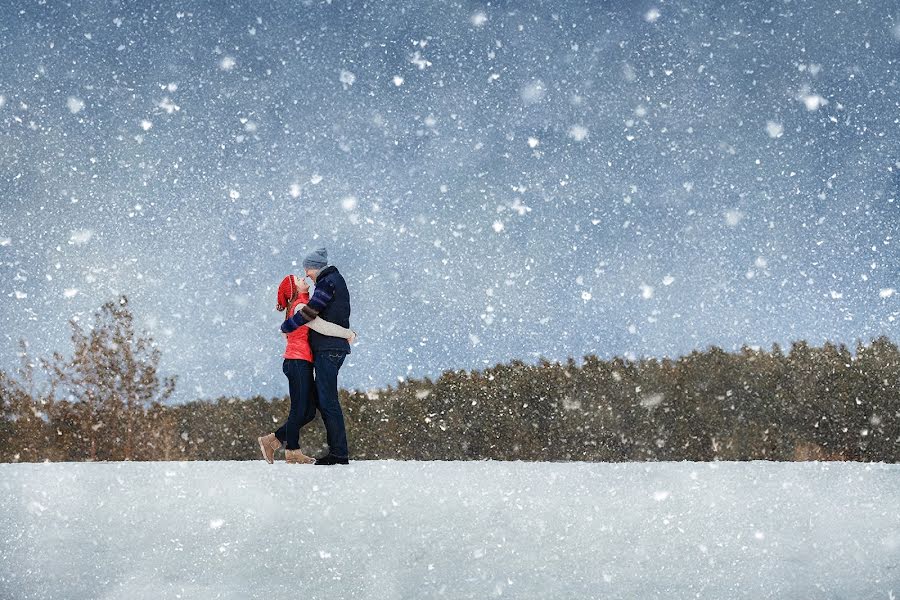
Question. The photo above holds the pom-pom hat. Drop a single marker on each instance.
(288, 290)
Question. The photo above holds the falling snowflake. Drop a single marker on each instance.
(80, 237)
(479, 19)
(813, 102)
(533, 92)
(419, 61)
(733, 217)
(75, 104)
(775, 130)
(578, 133)
(347, 78)
(168, 106)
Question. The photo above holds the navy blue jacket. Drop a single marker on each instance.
(331, 301)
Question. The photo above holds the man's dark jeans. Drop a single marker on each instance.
(303, 401)
(328, 363)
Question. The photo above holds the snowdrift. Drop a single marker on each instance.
(383, 530)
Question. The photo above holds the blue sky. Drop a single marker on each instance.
(496, 181)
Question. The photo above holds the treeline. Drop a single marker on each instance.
(108, 403)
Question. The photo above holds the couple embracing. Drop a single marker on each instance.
(318, 336)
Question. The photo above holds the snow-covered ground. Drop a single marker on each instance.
(384, 530)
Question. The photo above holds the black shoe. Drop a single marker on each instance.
(331, 459)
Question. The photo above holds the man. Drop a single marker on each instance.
(331, 301)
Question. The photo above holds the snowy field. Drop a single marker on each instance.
(383, 530)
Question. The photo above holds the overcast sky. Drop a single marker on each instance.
(496, 181)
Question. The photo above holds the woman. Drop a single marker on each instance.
(293, 294)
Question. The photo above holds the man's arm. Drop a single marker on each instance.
(321, 297)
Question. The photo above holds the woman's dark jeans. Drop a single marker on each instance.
(303, 401)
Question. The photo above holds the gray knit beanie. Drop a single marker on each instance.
(317, 259)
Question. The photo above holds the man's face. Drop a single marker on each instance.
(312, 273)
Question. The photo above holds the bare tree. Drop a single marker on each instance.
(113, 377)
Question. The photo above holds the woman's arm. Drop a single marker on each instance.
(328, 328)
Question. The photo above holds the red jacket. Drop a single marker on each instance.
(298, 340)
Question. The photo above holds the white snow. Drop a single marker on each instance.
(384, 530)
(652, 400)
(417, 59)
(478, 19)
(733, 217)
(519, 208)
(347, 78)
(775, 130)
(167, 105)
(80, 237)
(652, 15)
(227, 63)
(578, 133)
(75, 104)
(533, 91)
(813, 102)
(887, 292)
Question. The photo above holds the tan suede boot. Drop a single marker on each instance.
(296, 457)
(269, 444)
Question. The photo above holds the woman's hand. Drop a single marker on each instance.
(352, 338)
